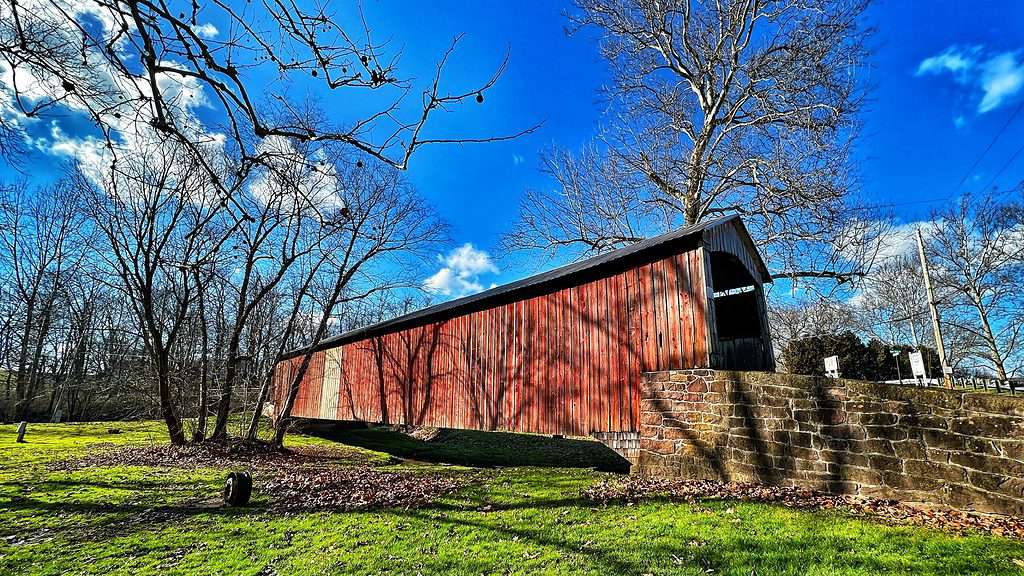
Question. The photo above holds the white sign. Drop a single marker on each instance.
(917, 364)
(832, 366)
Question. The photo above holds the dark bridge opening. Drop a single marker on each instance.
(741, 323)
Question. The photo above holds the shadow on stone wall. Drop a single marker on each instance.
(954, 448)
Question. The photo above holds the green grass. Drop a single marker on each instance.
(509, 520)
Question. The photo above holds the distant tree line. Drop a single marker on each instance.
(975, 252)
(875, 360)
(127, 298)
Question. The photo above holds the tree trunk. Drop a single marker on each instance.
(20, 381)
(174, 429)
(694, 184)
(254, 424)
(200, 432)
(36, 371)
(990, 339)
(285, 419)
(220, 429)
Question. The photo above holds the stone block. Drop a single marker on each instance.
(994, 404)
(878, 419)
(844, 458)
(861, 475)
(658, 446)
(1012, 449)
(843, 431)
(911, 449)
(998, 483)
(990, 464)
(903, 482)
(878, 446)
(934, 470)
(651, 419)
(943, 439)
(925, 421)
(885, 463)
(890, 432)
(989, 426)
(967, 497)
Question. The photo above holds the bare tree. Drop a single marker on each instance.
(739, 106)
(807, 318)
(977, 249)
(157, 221)
(10, 141)
(42, 240)
(893, 304)
(294, 207)
(87, 56)
(386, 224)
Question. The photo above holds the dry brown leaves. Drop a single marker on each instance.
(635, 489)
(357, 488)
(304, 478)
(226, 454)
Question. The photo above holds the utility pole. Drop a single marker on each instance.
(933, 309)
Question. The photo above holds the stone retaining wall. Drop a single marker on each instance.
(944, 447)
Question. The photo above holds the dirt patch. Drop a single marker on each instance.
(304, 478)
(227, 454)
(635, 489)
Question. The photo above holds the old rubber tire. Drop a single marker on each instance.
(237, 489)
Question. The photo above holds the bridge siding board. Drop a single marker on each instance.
(568, 361)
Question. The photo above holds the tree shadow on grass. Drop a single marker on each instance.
(726, 542)
(483, 449)
(654, 543)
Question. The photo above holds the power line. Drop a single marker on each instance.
(989, 147)
(896, 204)
(1005, 166)
(967, 174)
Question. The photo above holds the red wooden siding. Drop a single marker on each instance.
(565, 362)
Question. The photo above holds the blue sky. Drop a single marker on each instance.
(945, 79)
(923, 130)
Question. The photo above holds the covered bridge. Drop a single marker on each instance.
(557, 353)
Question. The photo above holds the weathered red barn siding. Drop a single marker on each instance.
(565, 362)
(561, 357)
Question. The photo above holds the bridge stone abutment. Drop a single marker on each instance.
(941, 447)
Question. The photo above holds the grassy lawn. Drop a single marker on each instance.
(507, 520)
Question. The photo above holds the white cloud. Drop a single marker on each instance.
(900, 241)
(1001, 77)
(206, 30)
(954, 59)
(122, 99)
(461, 271)
(294, 181)
(997, 77)
(469, 260)
(447, 282)
(959, 121)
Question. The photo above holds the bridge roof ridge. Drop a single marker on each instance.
(538, 283)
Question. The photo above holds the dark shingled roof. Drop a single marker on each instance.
(539, 283)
